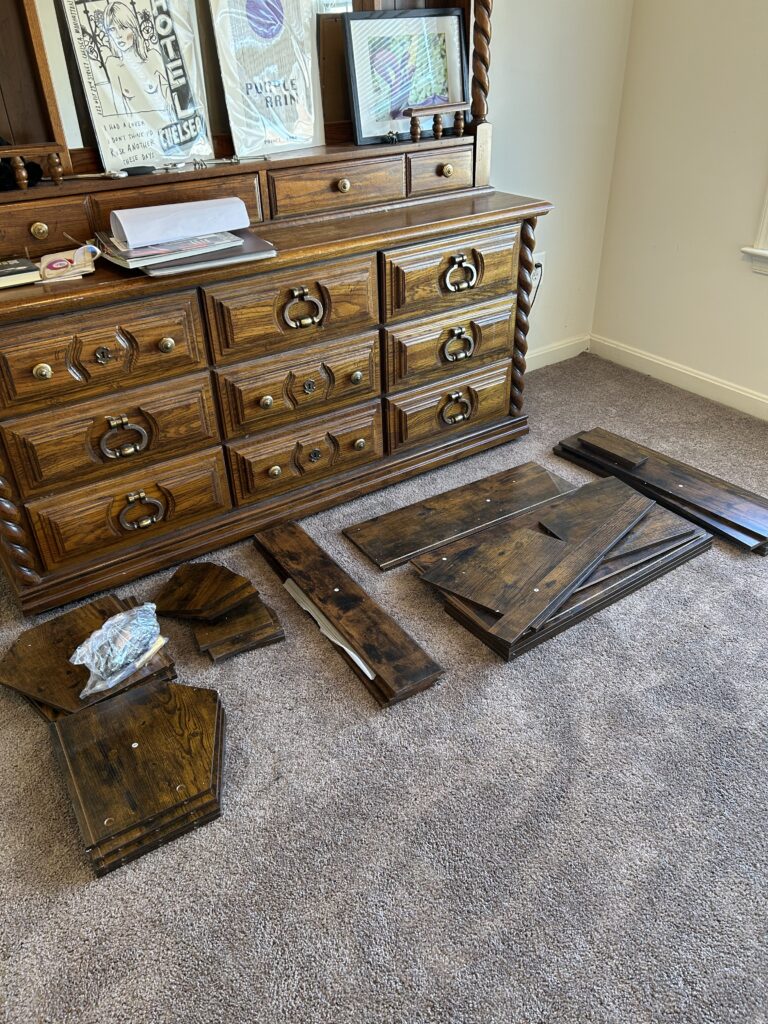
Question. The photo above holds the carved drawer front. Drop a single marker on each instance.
(449, 344)
(273, 312)
(281, 461)
(440, 171)
(41, 227)
(245, 187)
(450, 273)
(94, 351)
(331, 187)
(103, 438)
(454, 406)
(268, 392)
(133, 509)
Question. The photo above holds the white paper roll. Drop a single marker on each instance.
(153, 225)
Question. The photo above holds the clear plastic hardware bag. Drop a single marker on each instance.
(120, 647)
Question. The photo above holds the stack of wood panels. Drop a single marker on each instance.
(142, 768)
(228, 615)
(722, 508)
(37, 665)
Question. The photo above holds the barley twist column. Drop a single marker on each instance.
(13, 538)
(524, 288)
(481, 60)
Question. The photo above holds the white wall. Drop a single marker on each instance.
(556, 82)
(688, 190)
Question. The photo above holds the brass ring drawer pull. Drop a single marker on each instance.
(133, 501)
(116, 424)
(456, 398)
(302, 295)
(460, 262)
(468, 343)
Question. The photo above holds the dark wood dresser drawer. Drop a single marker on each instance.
(245, 187)
(41, 227)
(273, 312)
(450, 273)
(440, 171)
(103, 438)
(451, 407)
(129, 510)
(89, 353)
(282, 461)
(333, 187)
(282, 389)
(429, 349)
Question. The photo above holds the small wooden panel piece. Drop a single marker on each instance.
(130, 509)
(397, 536)
(41, 227)
(37, 664)
(450, 273)
(204, 591)
(440, 171)
(723, 508)
(430, 349)
(85, 354)
(399, 666)
(245, 187)
(329, 188)
(288, 309)
(249, 626)
(280, 461)
(450, 407)
(99, 439)
(282, 389)
(161, 743)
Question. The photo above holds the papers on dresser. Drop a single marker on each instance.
(156, 225)
(326, 626)
(149, 255)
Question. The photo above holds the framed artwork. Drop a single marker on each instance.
(402, 59)
(267, 53)
(141, 69)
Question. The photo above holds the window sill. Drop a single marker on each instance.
(759, 259)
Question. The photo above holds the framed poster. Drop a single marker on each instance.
(402, 59)
(267, 53)
(141, 70)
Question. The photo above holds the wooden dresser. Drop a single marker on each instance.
(144, 421)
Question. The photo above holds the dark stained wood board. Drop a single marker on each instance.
(159, 741)
(724, 508)
(402, 668)
(397, 536)
(251, 622)
(203, 590)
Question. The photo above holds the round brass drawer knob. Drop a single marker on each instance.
(344, 185)
(357, 377)
(447, 171)
(266, 402)
(275, 472)
(39, 230)
(42, 371)
(166, 345)
(359, 444)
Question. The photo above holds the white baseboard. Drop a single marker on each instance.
(567, 349)
(723, 391)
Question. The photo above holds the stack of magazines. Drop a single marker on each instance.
(160, 240)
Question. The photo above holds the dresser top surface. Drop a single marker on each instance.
(296, 242)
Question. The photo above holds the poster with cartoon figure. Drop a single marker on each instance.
(269, 69)
(142, 74)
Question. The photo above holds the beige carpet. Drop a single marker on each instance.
(576, 837)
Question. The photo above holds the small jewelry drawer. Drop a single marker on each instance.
(428, 349)
(102, 438)
(332, 187)
(283, 389)
(88, 353)
(440, 171)
(450, 273)
(133, 509)
(282, 461)
(41, 228)
(274, 312)
(453, 406)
